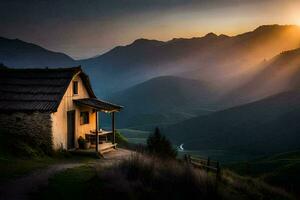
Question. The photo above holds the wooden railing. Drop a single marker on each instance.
(204, 163)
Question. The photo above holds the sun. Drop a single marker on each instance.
(296, 18)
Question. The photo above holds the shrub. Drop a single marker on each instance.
(81, 142)
(11, 144)
(159, 145)
(121, 140)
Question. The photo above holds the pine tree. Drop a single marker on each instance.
(159, 145)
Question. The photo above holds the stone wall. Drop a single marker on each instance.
(33, 129)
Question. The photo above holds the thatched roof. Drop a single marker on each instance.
(36, 89)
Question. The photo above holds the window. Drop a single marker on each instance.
(84, 118)
(75, 87)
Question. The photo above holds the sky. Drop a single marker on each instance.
(86, 28)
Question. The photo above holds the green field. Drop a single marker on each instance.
(135, 136)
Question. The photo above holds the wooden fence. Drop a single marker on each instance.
(204, 163)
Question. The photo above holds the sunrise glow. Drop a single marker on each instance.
(102, 26)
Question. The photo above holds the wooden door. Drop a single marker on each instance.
(71, 129)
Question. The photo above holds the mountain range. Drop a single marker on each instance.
(225, 92)
(20, 54)
(223, 61)
(153, 101)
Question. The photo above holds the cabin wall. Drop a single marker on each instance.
(59, 118)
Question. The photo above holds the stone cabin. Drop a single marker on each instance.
(59, 102)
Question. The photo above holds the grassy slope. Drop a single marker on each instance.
(12, 167)
(14, 164)
(18, 158)
(281, 170)
(70, 184)
(142, 179)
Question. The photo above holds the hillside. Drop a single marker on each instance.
(163, 100)
(144, 177)
(279, 74)
(17, 53)
(245, 129)
(281, 170)
(227, 61)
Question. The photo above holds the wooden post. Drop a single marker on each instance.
(186, 158)
(97, 137)
(113, 127)
(207, 164)
(189, 158)
(218, 171)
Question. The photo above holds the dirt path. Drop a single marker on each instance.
(20, 188)
(117, 155)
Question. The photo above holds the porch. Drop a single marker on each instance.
(106, 140)
(101, 141)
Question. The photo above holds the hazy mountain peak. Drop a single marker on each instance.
(17, 41)
(291, 52)
(224, 36)
(274, 27)
(143, 41)
(18, 53)
(211, 35)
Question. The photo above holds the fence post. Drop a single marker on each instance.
(207, 164)
(186, 158)
(218, 171)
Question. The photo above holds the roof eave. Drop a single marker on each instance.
(115, 108)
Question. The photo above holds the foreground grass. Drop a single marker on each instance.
(238, 187)
(282, 170)
(70, 184)
(19, 157)
(12, 167)
(150, 178)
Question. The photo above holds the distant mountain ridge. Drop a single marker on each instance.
(262, 127)
(165, 99)
(225, 62)
(17, 53)
(222, 60)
